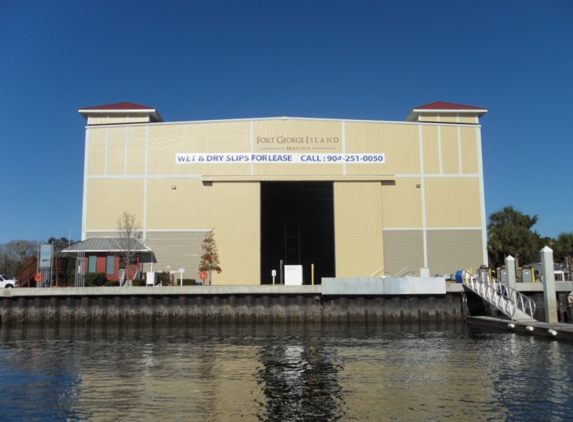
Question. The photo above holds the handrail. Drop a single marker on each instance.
(506, 299)
(378, 271)
(405, 268)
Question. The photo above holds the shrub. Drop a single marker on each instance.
(95, 279)
(189, 282)
(164, 278)
(112, 283)
(138, 282)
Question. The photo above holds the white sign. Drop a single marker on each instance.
(181, 270)
(280, 158)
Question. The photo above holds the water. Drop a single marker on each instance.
(281, 372)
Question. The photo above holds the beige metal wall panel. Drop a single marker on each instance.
(452, 250)
(165, 141)
(428, 117)
(97, 120)
(367, 169)
(399, 142)
(176, 249)
(450, 150)
(236, 219)
(116, 150)
(453, 202)
(114, 120)
(470, 158)
(138, 119)
(294, 135)
(431, 149)
(298, 169)
(403, 252)
(232, 209)
(402, 204)
(97, 150)
(136, 150)
(448, 118)
(469, 119)
(109, 198)
(358, 229)
(188, 206)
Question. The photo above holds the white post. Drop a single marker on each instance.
(510, 267)
(549, 295)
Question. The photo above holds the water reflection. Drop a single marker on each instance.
(212, 372)
(299, 383)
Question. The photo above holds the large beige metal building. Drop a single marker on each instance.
(354, 198)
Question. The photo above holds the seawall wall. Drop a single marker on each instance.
(220, 302)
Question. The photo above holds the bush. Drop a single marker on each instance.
(112, 283)
(95, 279)
(164, 278)
(189, 282)
(138, 282)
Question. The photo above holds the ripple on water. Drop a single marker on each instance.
(265, 371)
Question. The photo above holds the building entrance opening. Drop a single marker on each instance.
(297, 227)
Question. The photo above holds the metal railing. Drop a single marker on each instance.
(506, 299)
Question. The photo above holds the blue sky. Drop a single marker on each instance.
(240, 59)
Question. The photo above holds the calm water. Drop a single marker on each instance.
(281, 372)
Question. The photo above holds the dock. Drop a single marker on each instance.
(558, 331)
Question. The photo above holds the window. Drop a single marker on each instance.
(110, 265)
(92, 265)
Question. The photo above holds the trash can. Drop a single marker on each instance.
(459, 276)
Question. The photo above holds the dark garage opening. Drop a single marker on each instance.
(297, 226)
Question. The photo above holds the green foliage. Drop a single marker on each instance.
(189, 282)
(563, 247)
(164, 278)
(95, 279)
(509, 233)
(112, 283)
(59, 244)
(138, 282)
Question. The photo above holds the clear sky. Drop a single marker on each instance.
(205, 60)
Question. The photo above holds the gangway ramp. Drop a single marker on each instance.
(505, 299)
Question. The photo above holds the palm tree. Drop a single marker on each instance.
(564, 248)
(509, 233)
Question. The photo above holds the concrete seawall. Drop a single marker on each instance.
(220, 302)
(365, 300)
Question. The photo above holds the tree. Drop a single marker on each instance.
(64, 268)
(13, 255)
(509, 233)
(60, 244)
(210, 258)
(129, 240)
(563, 248)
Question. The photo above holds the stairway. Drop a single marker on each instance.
(505, 299)
(26, 275)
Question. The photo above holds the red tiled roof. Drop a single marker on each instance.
(442, 105)
(119, 106)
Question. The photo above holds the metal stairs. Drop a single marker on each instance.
(507, 300)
